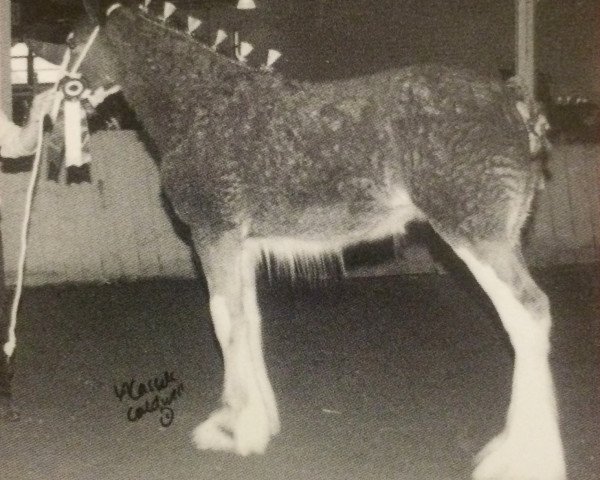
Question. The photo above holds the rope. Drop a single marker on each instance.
(85, 50)
(11, 343)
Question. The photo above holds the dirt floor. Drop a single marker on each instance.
(386, 378)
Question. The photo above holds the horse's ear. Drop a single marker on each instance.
(92, 9)
(96, 9)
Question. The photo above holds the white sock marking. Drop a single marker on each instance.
(530, 447)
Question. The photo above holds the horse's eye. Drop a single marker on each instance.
(71, 43)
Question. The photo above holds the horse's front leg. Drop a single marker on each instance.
(248, 416)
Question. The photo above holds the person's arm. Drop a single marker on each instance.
(9, 137)
(19, 142)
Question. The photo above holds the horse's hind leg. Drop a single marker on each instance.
(248, 417)
(529, 447)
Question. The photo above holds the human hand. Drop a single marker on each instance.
(41, 105)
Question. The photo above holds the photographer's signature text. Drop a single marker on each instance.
(155, 395)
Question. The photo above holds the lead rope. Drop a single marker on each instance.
(11, 343)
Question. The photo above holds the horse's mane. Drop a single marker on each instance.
(170, 26)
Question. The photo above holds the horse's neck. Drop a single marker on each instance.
(167, 75)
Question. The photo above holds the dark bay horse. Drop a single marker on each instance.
(264, 167)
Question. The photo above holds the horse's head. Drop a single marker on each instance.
(159, 55)
(115, 22)
(91, 56)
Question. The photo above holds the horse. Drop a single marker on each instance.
(263, 168)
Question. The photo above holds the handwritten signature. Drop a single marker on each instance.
(156, 394)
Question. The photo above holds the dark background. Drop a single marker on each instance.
(328, 38)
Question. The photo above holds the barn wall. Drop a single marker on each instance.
(117, 228)
(566, 222)
(114, 228)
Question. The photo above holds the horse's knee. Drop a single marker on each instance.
(537, 304)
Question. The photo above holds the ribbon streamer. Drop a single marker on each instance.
(243, 50)
(193, 24)
(221, 36)
(169, 9)
(73, 155)
(272, 56)
(246, 5)
(75, 118)
(145, 6)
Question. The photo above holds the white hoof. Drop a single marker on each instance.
(274, 422)
(509, 458)
(245, 432)
(273, 415)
